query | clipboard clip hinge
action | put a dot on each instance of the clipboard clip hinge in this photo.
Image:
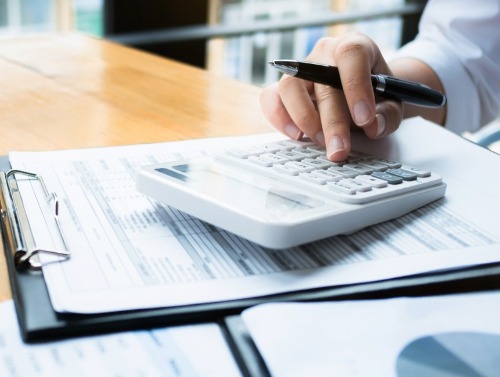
(16, 227)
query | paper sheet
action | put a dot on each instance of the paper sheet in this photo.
(176, 351)
(130, 252)
(405, 337)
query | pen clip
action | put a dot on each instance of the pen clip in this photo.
(15, 224)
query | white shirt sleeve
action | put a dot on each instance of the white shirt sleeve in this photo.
(460, 41)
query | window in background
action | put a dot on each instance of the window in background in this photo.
(3, 14)
(26, 16)
(89, 16)
(46, 16)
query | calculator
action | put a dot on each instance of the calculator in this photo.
(286, 193)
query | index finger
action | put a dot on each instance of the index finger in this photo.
(274, 110)
(356, 57)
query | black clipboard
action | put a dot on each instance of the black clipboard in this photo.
(39, 322)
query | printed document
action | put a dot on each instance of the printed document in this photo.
(131, 252)
(455, 335)
(183, 351)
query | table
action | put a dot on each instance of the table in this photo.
(68, 91)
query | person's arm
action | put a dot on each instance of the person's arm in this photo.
(460, 41)
(418, 71)
(457, 52)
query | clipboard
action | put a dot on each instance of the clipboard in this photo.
(16, 226)
(39, 322)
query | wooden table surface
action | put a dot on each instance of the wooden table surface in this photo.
(73, 91)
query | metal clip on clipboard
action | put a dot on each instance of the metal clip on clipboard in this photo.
(15, 224)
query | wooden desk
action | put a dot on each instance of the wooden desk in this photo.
(72, 91)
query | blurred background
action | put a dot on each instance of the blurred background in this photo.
(234, 38)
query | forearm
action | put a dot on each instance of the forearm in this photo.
(416, 70)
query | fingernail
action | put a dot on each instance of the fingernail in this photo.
(292, 131)
(320, 138)
(381, 124)
(362, 113)
(335, 145)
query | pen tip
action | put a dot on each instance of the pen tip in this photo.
(272, 63)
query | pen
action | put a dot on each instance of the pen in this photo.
(386, 86)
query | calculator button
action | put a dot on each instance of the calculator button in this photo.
(314, 177)
(371, 180)
(296, 143)
(359, 168)
(391, 179)
(358, 185)
(329, 175)
(271, 148)
(308, 152)
(261, 160)
(290, 155)
(268, 158)
(277, 159)
(294, 168)
(356, 155)
(317, 148)
(421, 173)
(342, 187)
(345, 172)
(405, 174)
(375, 166)
(390, 164)
(286, 169)
(244, 152)
(332, 163)
(300, 166)
(316, 163)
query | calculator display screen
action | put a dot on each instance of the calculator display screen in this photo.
(243, 190)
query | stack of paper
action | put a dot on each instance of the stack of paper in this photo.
(185, 351)
(141, 254)
(446, 336)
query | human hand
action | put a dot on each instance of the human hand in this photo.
(297, 107)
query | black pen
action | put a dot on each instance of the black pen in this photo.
(386, 86)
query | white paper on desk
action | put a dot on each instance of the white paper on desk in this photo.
(129, 252)
(374, 338)
(194, 350)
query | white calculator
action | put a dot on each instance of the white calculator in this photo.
(286, 193)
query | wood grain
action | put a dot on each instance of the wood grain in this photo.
(73, 91)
